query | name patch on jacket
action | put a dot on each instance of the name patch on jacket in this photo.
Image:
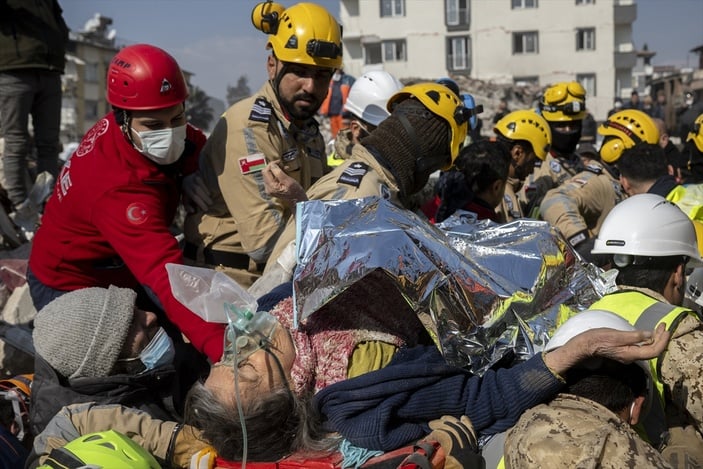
(260, 111)
(252, 163)
(354, 174)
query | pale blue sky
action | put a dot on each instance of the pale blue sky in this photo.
(215, 38)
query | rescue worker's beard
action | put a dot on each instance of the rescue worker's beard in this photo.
(564, 143)
(412, 143)
(300, 114)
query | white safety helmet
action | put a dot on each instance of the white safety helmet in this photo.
(584, 321)
(694, 286)
(644, 226)
(593, 319)
(369, 94)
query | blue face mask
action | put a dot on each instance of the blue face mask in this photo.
(158, 352)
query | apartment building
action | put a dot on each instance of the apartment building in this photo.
(507, 41)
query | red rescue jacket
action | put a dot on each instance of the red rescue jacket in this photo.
(108, 221)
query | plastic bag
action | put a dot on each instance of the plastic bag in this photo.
(205, 292)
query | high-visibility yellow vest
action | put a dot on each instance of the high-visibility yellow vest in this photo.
(645, 313)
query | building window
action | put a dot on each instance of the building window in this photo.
(519, 4)
(588, 81)
(459, 53)
(586, 39)
(386, 51)
(91, 73)
(457, 12)
(526, 42)
(91, 110)
(394, 51)
(585, 2)
(391, 8)
(372, 53)
(526, 80)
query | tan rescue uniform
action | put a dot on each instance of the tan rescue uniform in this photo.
(582, 202)
(510, 208)
(572, 431)
(243, 219)
(548, 174)
(340, 184)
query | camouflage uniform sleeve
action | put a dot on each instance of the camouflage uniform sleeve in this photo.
(681, 372)
(576, 206)
(575, 432)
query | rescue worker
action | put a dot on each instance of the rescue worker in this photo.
(651, 242)
(563, 106)
(238, 229)
(427, 125)
(333, 105)
(693, 153)
(579, 206)
(108, 220)
(367, 106)
(644, 169)
(527, 136)
(589, 423)
(475, 184)
(15, 436)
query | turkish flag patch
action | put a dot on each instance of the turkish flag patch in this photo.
(252, 163)
(137, 213)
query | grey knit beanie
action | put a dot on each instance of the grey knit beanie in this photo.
(81, 333)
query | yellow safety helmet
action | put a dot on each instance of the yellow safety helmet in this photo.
(696, 133)
(627, 128)
(526, 125)
(305, 33)
(443, 102)
(565, 101)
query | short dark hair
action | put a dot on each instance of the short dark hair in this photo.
(612, 384)
(652, 274)
(642, 163)
(477, 167)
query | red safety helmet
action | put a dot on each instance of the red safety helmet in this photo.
(144, 77)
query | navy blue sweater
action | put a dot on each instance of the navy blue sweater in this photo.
(391, 407)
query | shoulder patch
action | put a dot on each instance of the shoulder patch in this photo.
(252, 163)
(137, 213)
(555, 166)
(88, 142)
(353, 174)
(593, 168)
(261, 110)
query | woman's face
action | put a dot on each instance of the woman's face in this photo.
(258, 374)
(157, 119)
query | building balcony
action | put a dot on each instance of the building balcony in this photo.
(625, 56)
(625, 12)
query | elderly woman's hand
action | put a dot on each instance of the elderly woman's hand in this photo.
(278, 184)
(623, 346)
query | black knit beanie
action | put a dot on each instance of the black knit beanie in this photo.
(412, 143)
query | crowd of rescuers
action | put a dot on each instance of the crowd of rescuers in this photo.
(117, 352)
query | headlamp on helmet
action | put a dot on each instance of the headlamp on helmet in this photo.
(305, 33)
(564, 101)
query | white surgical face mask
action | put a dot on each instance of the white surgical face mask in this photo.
(163, 146)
